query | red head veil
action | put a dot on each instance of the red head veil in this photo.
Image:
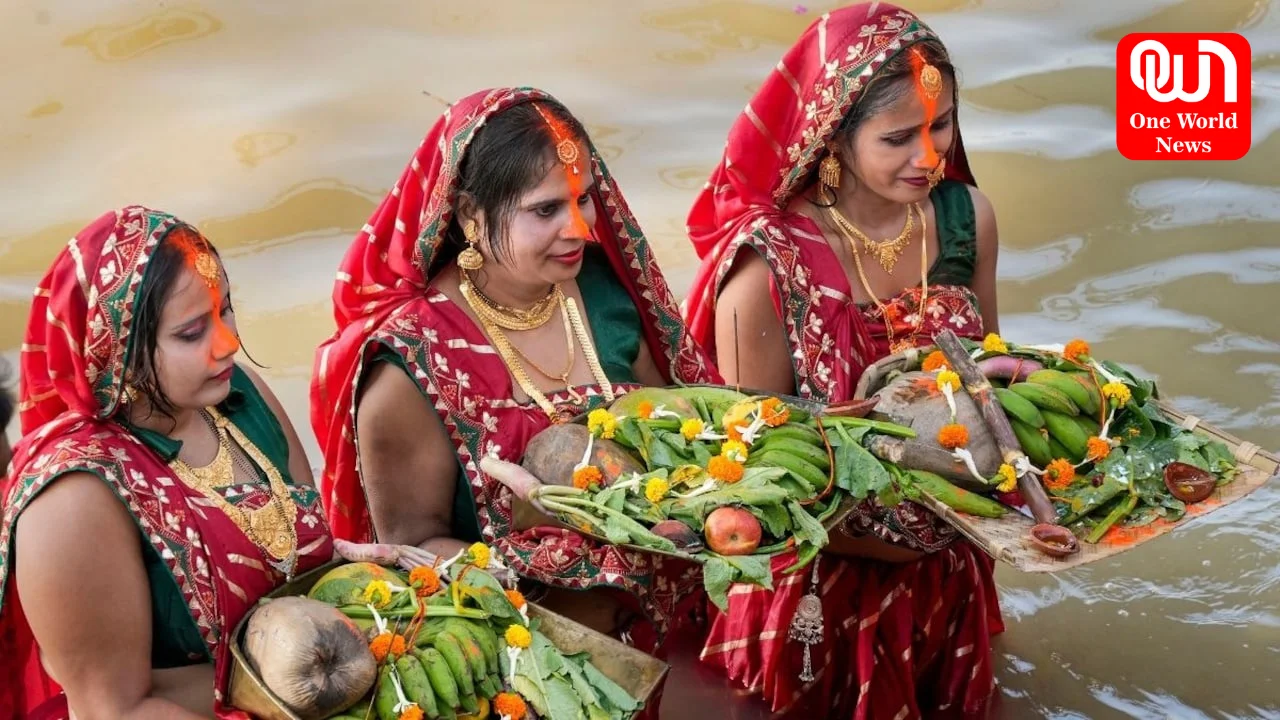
(779, 138)
(393, 258)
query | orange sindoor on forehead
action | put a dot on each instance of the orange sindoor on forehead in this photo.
(199, 258)
(928, 85)
(567, 153)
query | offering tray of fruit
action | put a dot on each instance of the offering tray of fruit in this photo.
(711, 475)
(357, 640)
(1087, 456)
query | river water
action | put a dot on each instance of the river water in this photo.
(276, 127)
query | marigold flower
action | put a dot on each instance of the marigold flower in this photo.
(734, 431)
(691, 428)
(953, 435)
(413, 712)
(994, 343)
(602, 423)
(509, 705)
(479, 553)
(425, 579)
(1075, 350)
(723, 469)
(518, 636)
(1117, 392)
(377, 593)
(656, 489)
(685, 475)
(1009, 481)
(586, 476)
(1099, 449)
(774, 412)
(735, 450)
(948, 377)
(644, 409)
(1059, 474)
(387, 644)
(516, 598)
(934, 361)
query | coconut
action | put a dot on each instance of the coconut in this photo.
(314, 658)
(554, 452)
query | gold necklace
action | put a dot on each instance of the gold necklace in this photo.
(887, 251)
(899, 346)
(271, 527)
(562, 376)
(511, 357)
(510, 318)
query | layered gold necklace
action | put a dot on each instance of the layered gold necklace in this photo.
(495, 317)
(852, 235)
(270, 527)
(887, 251)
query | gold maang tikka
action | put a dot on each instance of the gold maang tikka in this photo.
(566, 148)
(207, 266)
(931, 81)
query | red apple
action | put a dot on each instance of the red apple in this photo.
(732, 531)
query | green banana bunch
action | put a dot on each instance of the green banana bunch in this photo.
(1019, 408)
(439, 677)
(418, 688)
(1034, 444)
(1045, 397)
(450, 648)
(1064, 430)
(1070, 385)
(799, 450)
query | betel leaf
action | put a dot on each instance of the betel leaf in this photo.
(627, 434)
(562, 701)
(578, 678)
(610, 690)
(774, 518)
(752, 568)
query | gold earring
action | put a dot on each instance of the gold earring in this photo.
(130, 394)
(829, 171)
(934, 176)
(470, 259)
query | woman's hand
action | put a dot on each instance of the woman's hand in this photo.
(407, 557)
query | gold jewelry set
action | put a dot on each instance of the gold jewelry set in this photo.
(270, 527)
(495, 318)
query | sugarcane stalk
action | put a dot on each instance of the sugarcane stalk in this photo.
(979, 388)
(1118, 513)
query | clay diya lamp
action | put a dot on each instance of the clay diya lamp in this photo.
(1054, 540)
(1189, 483)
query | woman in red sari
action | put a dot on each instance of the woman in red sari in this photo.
(459, 338)
(851, 139)
(158, 490)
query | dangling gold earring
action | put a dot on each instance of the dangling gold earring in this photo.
(130, 392)
(829, 171)
(470, 259)
(934, 176)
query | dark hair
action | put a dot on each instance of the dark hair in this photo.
(888, 85)
(6, 399)
(508, 156)
(163, 270)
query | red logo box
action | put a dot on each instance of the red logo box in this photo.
(1183, 96)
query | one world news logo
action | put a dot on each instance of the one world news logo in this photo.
(1183, 96)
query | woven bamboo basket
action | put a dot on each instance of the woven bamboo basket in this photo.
(1005, 538)
(637, 673)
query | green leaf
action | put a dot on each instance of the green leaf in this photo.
(628, 434)
(616, 531)
(805, 556)
(488, 594)
(751, 568)
(562, 702)
(532, 691)
(717, 576)
(662, 455)
(701, 455)
(806, 529)
(573, 668)
(611, 498)
(610, 690)
(858, 472)
(774, 518)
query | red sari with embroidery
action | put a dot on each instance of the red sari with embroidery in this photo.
(901, 640)
(72, 370)
(383, 299)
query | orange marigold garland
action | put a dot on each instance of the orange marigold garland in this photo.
(516, 598)
(585, 477)
(385, 644)
(724, 469)
(413, 712)
(953, 435)
(1075, 350)
(1099, 449)
(774, 412)
(509, 705)
(425, 580)
(644, 410)
(934, 361)
(1059, 474)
